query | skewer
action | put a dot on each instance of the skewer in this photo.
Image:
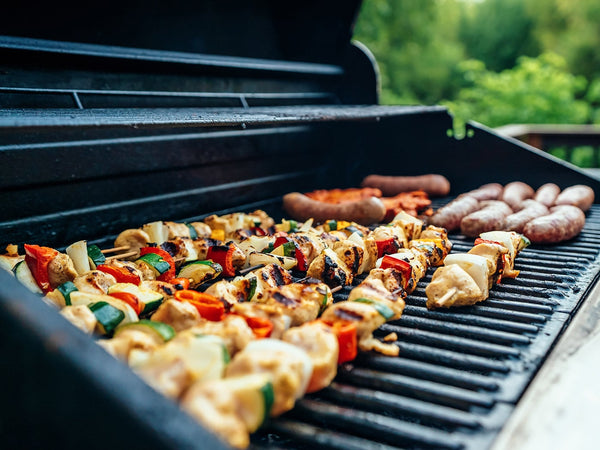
(336, 289)
(115, 249)
(123, 255)
(177, 260)
(447, 296)
(250, 269)
(397, 291)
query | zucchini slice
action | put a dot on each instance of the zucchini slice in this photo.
(108, 316)
(95, 256)
(65, 289)
(85, 298)
(199, 272)
(384, 310)
(24, 275)
(150, 300)
(155, 262)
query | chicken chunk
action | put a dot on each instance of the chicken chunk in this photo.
(321, 345)
(330, 269)
(135, 239)
(452, 286)
(61, 270)
(301, 302)
(231, 292)
(374, 289)
(94, 282)
(273, 313)
(310, 245)
(234, 331)
(350, 253)
(494, 254)
(180, 315)
(81, 316)
(129, 339)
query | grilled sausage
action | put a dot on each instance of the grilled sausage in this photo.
(546, 194)
(364, 212)
(449, 216)
(579, 195)
(490, 217)
(515, 192)
(433, 184)
(531, 210)
(564, 222)
(490, 191)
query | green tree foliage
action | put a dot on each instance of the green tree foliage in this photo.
(416, 46)
(497, 32)
(536, 90)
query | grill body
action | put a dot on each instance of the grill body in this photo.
(110, 133)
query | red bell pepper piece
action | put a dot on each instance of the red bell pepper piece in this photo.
(209, 307)
(258, 231)
(402, 266)
(261, 327)
(386, 247)
(130, 299)
(345, 331)
(223, 254)
(121, 274)
(300, 258)
(169, 274)
(180, 283)
(37, 259)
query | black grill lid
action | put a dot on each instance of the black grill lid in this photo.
(310, 30)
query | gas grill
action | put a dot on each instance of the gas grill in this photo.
(102, 129)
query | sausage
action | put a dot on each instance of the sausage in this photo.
(579, 195)
(449, 216)
(515, 192)
(365, 212)
(490, 191)
(564, 222)
(546, 194)
(531, 210)
(489, 218)
(433, 184)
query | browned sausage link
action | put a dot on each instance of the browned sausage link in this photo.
(433, 184)
(579, 195)
(489, 218)
(364, 212)
(564, 222)
(546, 194)
(515, 192)
(490, 191)
(449, 216)
(531, 210)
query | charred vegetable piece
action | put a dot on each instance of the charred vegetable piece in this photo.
(199, 272)
(162, 330)
(384, 310)
(65, 289)
(107, 315)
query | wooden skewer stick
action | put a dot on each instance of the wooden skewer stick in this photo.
(337, 288)
(397, 291)
(447, 296)
(116, 249)
(250, 269)
(176, 260)
(123, 255)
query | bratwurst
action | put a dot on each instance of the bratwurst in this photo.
(435, 185)
(564, 222)
(579, 195)
(450, 216)
(546, 194)
(490, 191)
(365, 212)
(490, 217)
(515, 192)
(531, 210)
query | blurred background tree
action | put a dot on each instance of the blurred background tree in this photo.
(494, 61)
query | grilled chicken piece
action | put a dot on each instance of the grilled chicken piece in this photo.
(494, 254)
(418, 263)
(321, 345)
(433, 249)
(383, 233)
(370, 257)
(367, 320)
(180, 315)
(180, 248)
(202, 230)
(143, 271)
(81, 316)
(330, 269)
(166, 289)
(452, 286)
(351, 254)
(234, 331)
(61, 270)
(274, 313)
(310, 245)
(269, 276)
(94, 282)
(219, 410)
(135, 239)
(235, 221)
(201, 246)
(433, 232)
(411, 226)
(176, 230)
(290, 369)
(301, 302)
(392, 279)
(130, 339)
(231, 292)
(375, 290)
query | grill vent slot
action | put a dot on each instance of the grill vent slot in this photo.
(460, 372)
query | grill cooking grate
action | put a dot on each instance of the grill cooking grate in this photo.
(460, 372)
